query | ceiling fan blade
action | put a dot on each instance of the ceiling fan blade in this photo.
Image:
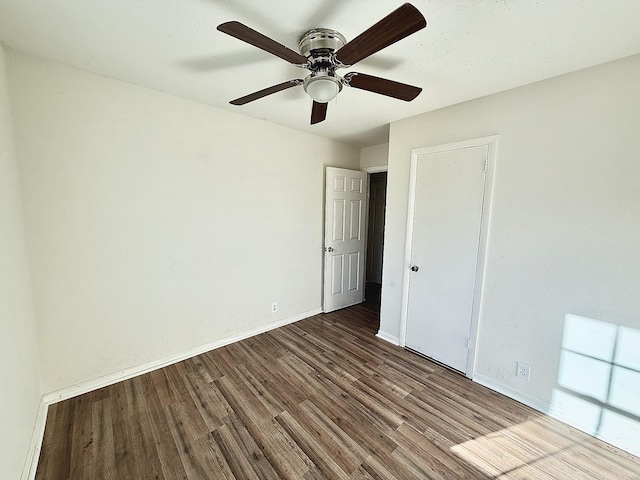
(318, 112)
(399, 24)
(257, 39)
(266, 91)
(382, 86)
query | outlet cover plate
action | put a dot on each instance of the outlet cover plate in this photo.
(524, 371)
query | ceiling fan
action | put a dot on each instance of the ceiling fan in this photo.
(323, 51)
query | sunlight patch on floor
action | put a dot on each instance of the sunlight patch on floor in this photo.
(528, 448)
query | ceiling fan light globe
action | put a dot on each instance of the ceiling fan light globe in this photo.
(322, 89)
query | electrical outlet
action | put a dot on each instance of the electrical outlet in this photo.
(274, 307)
(524, 371)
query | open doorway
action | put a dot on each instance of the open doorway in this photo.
(375, 238)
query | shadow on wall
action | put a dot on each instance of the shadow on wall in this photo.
(599, 381)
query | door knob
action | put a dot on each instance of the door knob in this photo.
(328, 249)
(415, 268)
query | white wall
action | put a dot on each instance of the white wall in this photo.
(375, 158)
(157, 224)
(20, 391)
(565, 225)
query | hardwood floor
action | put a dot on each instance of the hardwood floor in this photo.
(319, 399)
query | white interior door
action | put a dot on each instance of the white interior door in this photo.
(446, 230)
(344, 238)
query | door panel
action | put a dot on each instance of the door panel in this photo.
(338, 220)
(354, 271)
(337, 274)
(344, 238)
(446, 225)
(355, 227)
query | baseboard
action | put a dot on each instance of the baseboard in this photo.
(388, 338)
(110, 379)
(627, 444)
(33, 454)
(521, 397)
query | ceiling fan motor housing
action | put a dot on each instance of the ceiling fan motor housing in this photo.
(319, 46)
(320, 42)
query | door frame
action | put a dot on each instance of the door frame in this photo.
(492, 143)
(370, 170)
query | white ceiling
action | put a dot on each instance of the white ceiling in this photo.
(470, 48)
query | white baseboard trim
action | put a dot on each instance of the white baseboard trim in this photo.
(388, 338)
(528, 400)
(33, 455)
(627, 444)
(127, 373)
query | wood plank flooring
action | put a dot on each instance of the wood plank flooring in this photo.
(319, 399)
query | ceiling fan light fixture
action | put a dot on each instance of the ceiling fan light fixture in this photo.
(322, 88)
